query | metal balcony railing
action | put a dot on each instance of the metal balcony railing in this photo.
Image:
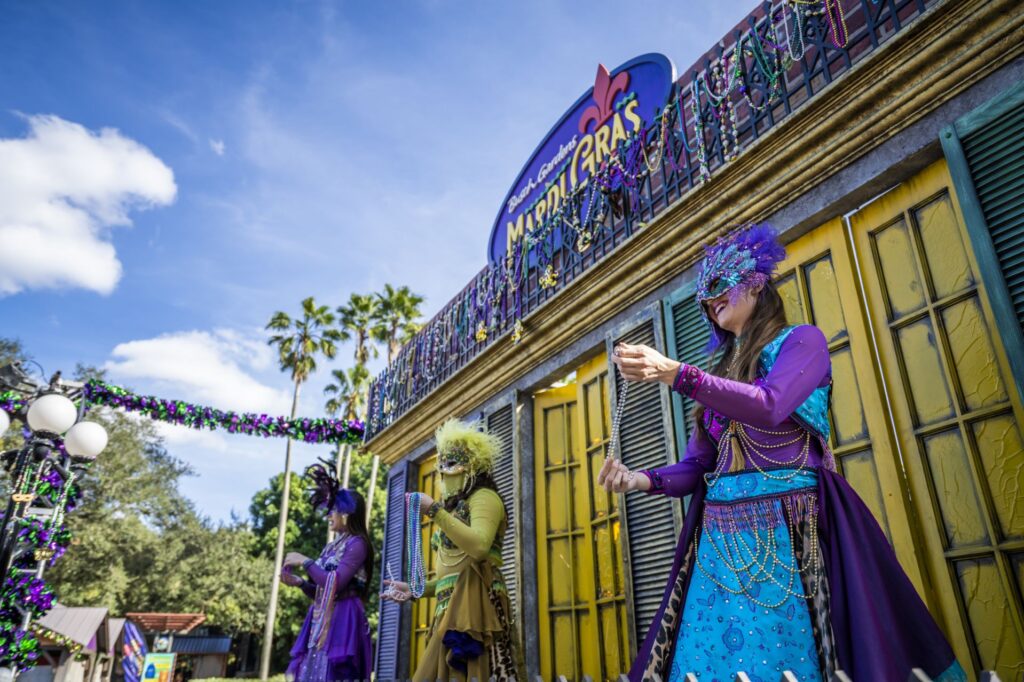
(783, 55)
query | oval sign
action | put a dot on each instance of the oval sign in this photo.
(620, 103)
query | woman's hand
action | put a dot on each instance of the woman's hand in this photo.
(289, 578)
(615, 477)
(396, 591)
(425, 502)
(643, 363)
(294, 559)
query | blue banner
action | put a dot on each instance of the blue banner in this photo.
(622, 103)
(133, 652)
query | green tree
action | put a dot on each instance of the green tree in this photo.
(11, 351)
(348, 398)
(361, 318)
(139, 545)
(299, 343)
(398, 315)
(398, 320)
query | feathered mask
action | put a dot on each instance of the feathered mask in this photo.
(462, 446)
(326, 491)
(743, 259)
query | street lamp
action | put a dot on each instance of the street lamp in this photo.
(56, 442)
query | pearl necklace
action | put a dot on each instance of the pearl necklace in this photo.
(414, 542)
(766, 548)
(617, 420)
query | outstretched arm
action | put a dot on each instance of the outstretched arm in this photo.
(351, 561)
(802, 365)
(675, 480)
(486, 512)
(683, 477)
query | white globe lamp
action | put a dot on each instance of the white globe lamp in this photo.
(85, 440)
(5, 422)
(52, 413)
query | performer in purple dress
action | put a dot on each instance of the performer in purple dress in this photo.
(334, 643)
(780, 565)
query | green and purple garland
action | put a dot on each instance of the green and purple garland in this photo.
(320, 430)
(307, 430)
(22, 592)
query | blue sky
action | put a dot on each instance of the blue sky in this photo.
(171, 173)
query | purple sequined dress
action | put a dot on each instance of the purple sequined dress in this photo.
(788, 524)
(334, 643)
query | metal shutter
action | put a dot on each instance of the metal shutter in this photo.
(687, 335)
(389, 628)
(643, 444)
(995, 154)
(500, 424)
(985, 153)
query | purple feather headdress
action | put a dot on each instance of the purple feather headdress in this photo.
(741, 260)
(326, 491)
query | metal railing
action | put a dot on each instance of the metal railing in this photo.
(916, 675)
(784, 54)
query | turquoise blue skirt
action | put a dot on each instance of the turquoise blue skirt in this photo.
(746, 607)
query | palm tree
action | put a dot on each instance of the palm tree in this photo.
(360, 318)
(397, 321)
(398, 317)
(298, 343)
(348, 398)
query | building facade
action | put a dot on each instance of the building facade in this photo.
(892, 163)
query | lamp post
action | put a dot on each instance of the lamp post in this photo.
(57, 441)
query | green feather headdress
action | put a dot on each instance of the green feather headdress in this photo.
(460, 442)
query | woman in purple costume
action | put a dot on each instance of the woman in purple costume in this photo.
(334, 643)
(780, 566)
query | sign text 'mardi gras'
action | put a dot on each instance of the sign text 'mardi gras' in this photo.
(621, 103)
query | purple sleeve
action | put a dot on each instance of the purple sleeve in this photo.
(803, 364)
(681, 479)
(308, 588)
(351, 561)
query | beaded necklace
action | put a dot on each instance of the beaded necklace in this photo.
(757, 570)
(415, 569)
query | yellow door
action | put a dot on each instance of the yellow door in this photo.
(423, 609)
(955, 413)
(580, 584)
(818, 287)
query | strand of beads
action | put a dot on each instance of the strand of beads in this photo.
(415, 569)
(698, 133)
(757, 569)
(617, 420)
(837, 23)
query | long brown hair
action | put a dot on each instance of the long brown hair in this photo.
(765, 323)
(356, 525)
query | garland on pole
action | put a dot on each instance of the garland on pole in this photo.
(22, 593)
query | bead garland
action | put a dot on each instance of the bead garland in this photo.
(416, 571)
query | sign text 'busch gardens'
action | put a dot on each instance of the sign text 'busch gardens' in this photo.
(620, 104)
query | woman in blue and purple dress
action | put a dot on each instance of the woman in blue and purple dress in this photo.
(334, 643)
(780, 565)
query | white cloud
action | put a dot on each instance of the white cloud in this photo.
(61, 188)
(217, 146)
(211, 368)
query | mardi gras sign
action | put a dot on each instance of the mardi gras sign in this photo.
(622, 103)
